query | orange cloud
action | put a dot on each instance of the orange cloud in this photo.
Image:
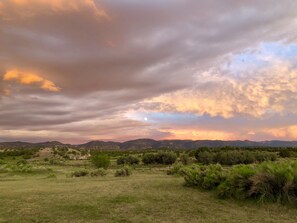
(30, 8)
(30, 79)
(196, 134)
(271, 90)
(288, 132)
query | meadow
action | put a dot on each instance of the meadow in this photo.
(43, 189)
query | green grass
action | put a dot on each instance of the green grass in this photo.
(149, 195)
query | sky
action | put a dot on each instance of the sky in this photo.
(83, 70)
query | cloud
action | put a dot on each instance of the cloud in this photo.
(110, 56)
(30, 79)
(28, 9)
(216, 93)
(196, 134)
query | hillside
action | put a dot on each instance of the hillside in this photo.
(141, 144)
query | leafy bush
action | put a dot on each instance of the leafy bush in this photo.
(174, 170)
(166, 158)
(149, 158)
(237, 183)
(98, 172)
(265, 182)
(285, 153)
(123, 172)
(80, 173)
(184, 158)
(275, 182)
(100, 161)
(129, 160)
(206, 177)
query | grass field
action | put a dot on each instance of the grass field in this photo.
(149, 195)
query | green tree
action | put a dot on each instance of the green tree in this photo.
(100, 161)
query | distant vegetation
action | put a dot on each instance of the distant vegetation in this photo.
(100, 161)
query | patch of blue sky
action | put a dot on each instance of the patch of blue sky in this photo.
(162, 117)
(252, 60)
(279, 50)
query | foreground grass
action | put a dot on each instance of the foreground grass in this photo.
(146, 196)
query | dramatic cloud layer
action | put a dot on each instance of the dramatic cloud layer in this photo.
(121, 69)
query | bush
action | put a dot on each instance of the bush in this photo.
(123, 172)
(205, 177)
(99, 172)
(129, 160)
(80, 173)
(22, 162)
(185, 159)
(149, 158)
(174, 170)
(275, 182)
(285, 153)
(268, 181)
(100, 161)
(166, 158)
(237, 183)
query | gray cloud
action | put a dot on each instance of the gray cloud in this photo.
(108, 55)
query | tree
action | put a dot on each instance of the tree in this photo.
(100, 161)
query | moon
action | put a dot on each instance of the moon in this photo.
(145, 118)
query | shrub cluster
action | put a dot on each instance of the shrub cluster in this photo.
(25, 153)
(127, 160)
(166, 158)
(123, 172)
(230, 157)
(80, 173)
(92, 173)
(23, 167)
(268, 181)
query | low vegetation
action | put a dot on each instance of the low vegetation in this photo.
(166, 158)
(123, 172)
(128, 160)
(264, 182)
(100, 161)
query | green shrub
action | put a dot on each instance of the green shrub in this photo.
(22, 162)
(174, 170)
(100, 161)
(275, 182)
(237, 183)
(129, 160)
(80, 173)
(184, 158)
(268, 181)
(285, 153)
(166, 158)
(205, 177)
(98, 172)
(123, 172)
(149, 158)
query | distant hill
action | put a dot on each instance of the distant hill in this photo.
(141, 144)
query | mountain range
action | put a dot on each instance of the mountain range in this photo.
(141, 144)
